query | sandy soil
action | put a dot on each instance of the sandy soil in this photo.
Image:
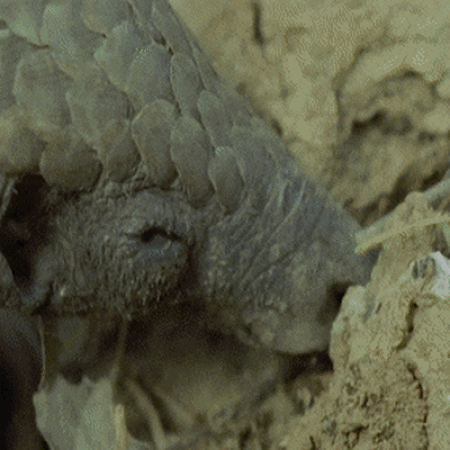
(389, 347)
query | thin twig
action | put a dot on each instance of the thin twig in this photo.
(380, 231)
(147, 408)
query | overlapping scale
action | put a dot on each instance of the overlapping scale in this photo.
(169, 26)
(254, 162)
(186, 83)
(93, 106)
(207, 73)
(151, 132)
(20, 148)
(142, 17)
(191, 150)
(149, 76)
(39, 88)
(117, 151)
(72, 43)
(215, 118)
(70, 164)
(224, 174)
(11, 49)
(24, 18)
(118, 51)
(101, 17)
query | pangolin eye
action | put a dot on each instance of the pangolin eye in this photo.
(163, 254)
(156, 235)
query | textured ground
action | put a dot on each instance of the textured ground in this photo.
(389, 347)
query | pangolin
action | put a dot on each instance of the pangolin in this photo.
(134, 179)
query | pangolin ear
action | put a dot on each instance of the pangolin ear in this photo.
(23, 229)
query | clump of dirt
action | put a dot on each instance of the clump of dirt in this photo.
(390, 388)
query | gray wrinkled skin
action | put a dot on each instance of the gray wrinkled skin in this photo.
(141, 181)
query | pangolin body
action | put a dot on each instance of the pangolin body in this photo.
(138, 180)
